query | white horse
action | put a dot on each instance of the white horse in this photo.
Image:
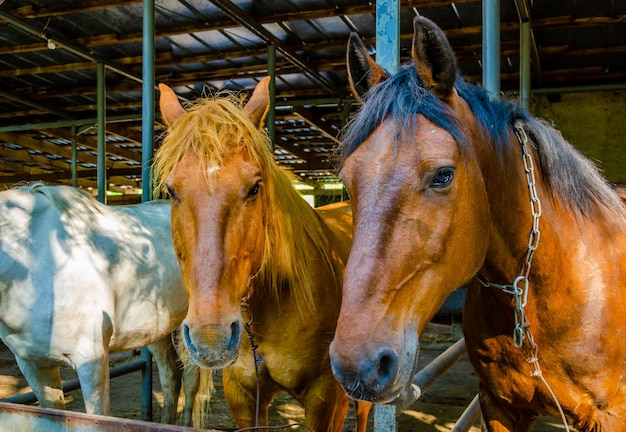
(78, 280)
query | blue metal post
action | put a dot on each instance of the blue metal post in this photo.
(491, 46)
(147, 124)
(147, 143)
(388, 57)
(101, 104)
(388, 34)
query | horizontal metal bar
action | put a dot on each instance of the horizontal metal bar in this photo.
(440, 365)
(68, 123)
(137, 116)
(74, 384)
(35, 105)
(25, 418)
(70, 46)
(469, 416)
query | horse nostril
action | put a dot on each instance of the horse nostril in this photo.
(187, 338)
(387, 367)
(235, 335)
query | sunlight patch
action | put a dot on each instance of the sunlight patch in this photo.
(423, 417)
(213, 169)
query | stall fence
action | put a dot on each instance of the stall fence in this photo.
(29, 418)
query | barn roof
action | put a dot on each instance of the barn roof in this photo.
(49, 52)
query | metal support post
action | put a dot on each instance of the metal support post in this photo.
(388, 57)
(388, 34)
(491, 46)
(147, 146)
(271, 115)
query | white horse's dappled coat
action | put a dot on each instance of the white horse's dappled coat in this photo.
(78, 280)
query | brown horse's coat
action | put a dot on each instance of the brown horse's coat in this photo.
(243, 235)
(440, 197)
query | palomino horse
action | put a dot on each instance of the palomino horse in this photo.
(447, 186)
(245, 239)
(79, 280)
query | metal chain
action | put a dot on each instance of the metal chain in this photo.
(519, 287)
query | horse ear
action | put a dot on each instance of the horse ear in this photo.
(433, 57)
(363, 72)
(170, 108)
(259, 103)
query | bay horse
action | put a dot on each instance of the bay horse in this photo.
(80, 280)
(449, 185)
(255, 258)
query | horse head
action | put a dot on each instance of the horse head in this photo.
(216, 184)
(420, 212)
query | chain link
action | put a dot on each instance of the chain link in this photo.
(519, 287)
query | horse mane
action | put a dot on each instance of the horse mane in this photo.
(571, 178)
(215, 128)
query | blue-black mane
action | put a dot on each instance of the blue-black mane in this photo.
(571, 178)
(402, 95)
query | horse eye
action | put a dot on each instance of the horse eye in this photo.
(170, 192)
(443, 178)
(254, 191)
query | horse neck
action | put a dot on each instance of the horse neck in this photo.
(567, 241)
(511, 212)
(507, 208)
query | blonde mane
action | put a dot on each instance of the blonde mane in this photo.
(215, 128)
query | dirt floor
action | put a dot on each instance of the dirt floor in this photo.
(437, 410)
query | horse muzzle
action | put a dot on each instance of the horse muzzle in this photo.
(380, 377)
(212, 346)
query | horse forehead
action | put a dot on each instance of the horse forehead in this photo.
(213, 169)
(191, 164)
(370, 155)
(392, 147)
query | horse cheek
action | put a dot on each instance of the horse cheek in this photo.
(180, 248)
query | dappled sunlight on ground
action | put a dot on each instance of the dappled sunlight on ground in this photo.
(292, 412)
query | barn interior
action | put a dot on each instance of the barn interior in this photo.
(73, 68)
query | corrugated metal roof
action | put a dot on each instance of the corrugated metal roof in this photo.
(49, 50)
